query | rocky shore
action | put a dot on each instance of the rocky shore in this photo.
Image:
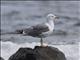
(38, 53)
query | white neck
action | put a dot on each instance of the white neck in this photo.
(50, 23)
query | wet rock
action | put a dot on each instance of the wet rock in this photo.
(38, 53)
(1, 58)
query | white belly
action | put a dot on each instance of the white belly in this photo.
(51, 26)
(48, 33)
(45, 34)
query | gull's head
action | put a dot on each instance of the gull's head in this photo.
(52, 17)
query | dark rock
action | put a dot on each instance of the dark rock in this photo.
(1, 58)
(38, 53)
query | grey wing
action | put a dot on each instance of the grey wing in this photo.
(41, 28)
(33, 30)
(36, 30)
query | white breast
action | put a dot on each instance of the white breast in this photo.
(50, 30)
(51, 26)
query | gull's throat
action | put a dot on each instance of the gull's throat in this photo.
(50, 24)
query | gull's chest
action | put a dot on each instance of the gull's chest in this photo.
(50, 26)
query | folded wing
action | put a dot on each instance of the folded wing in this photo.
(35, 30)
